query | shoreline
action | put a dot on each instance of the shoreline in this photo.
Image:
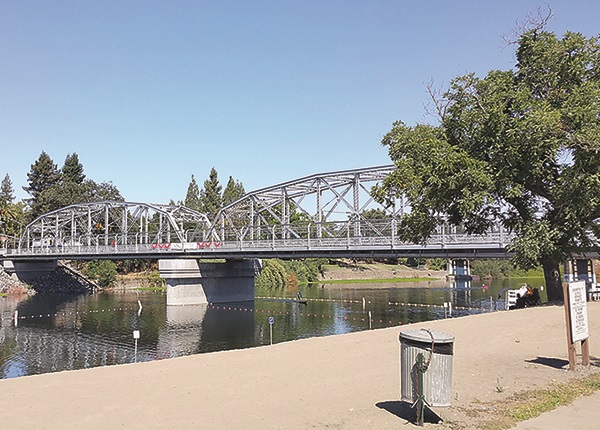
(348, 381)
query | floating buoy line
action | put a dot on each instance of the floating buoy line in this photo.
(15, 317)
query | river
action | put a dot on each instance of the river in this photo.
(55, 333)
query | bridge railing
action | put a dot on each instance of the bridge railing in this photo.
(274, 243)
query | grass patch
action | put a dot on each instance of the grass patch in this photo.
(533, 404)
(152, 289)
(375, 281)
(530, 404)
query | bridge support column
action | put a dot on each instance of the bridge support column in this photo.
(190, 282)
(580, 269)
(459, 268)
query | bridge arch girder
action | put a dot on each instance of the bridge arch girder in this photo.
(325, 204)
(114, 222)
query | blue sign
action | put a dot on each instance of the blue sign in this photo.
(271, 320)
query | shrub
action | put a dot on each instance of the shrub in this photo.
(103, 272)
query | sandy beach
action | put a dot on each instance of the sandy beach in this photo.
(345, 382)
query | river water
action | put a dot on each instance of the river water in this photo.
(55, 333)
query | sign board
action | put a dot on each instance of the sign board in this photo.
(578, 311)
(271, 320)
(136, 334)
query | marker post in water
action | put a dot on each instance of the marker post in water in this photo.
(136, 336)
(271, 322)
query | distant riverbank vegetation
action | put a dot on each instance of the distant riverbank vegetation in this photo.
(501, 269)
(279, 274)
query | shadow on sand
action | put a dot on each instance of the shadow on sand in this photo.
(404, 411)
(557, 363)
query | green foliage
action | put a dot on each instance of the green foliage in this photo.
(192, 197)
(6, 191)
(436, 263)
(272, 275)
(496, 269)
(500, 269)
(52, 189)
(210, 197)
(136, 265)
(519, 147)
(155, 281)
(277, 274)
(103, 272)
(9, 212)
(232, 192)
(44, 175)
(99, 192)
(73, 170)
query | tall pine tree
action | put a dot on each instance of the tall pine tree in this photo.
(6, 191)
(73, 170)
(233, 191)
(210, 198)
(192, 198)
(43, 176)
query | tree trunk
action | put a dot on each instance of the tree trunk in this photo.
(554, 287)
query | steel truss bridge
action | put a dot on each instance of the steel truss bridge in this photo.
(322, 215)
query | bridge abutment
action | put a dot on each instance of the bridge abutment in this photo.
(29, 271)
(190, 282)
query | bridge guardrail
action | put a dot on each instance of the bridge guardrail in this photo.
(205, 249)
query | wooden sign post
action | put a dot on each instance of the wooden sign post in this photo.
(577, 321)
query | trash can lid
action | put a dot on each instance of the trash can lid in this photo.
(422, 335)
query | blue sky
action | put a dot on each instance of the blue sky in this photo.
(148, 93)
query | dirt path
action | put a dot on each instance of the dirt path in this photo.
(345, 382)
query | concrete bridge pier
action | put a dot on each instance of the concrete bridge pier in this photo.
(190, 282)
(459, 268)
(580, 269)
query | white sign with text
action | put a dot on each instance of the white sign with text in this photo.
(578, 311)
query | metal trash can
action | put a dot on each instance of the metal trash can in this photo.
(438, 350)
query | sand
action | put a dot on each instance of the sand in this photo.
(344, 382)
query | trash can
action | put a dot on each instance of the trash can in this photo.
(438, 350)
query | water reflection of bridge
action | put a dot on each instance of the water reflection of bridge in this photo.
(78, 338)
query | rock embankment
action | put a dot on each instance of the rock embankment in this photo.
(10, 284)
(64, 280)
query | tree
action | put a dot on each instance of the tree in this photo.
(234, 190)
(210, 198)
(100, 192)
(192, 197)
(52, 189)
(103, 272)
(44, 174)
(73, 170)
(6, 190)
(518, 147)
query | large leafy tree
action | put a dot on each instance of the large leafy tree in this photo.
(519, 147)
(210, 197)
